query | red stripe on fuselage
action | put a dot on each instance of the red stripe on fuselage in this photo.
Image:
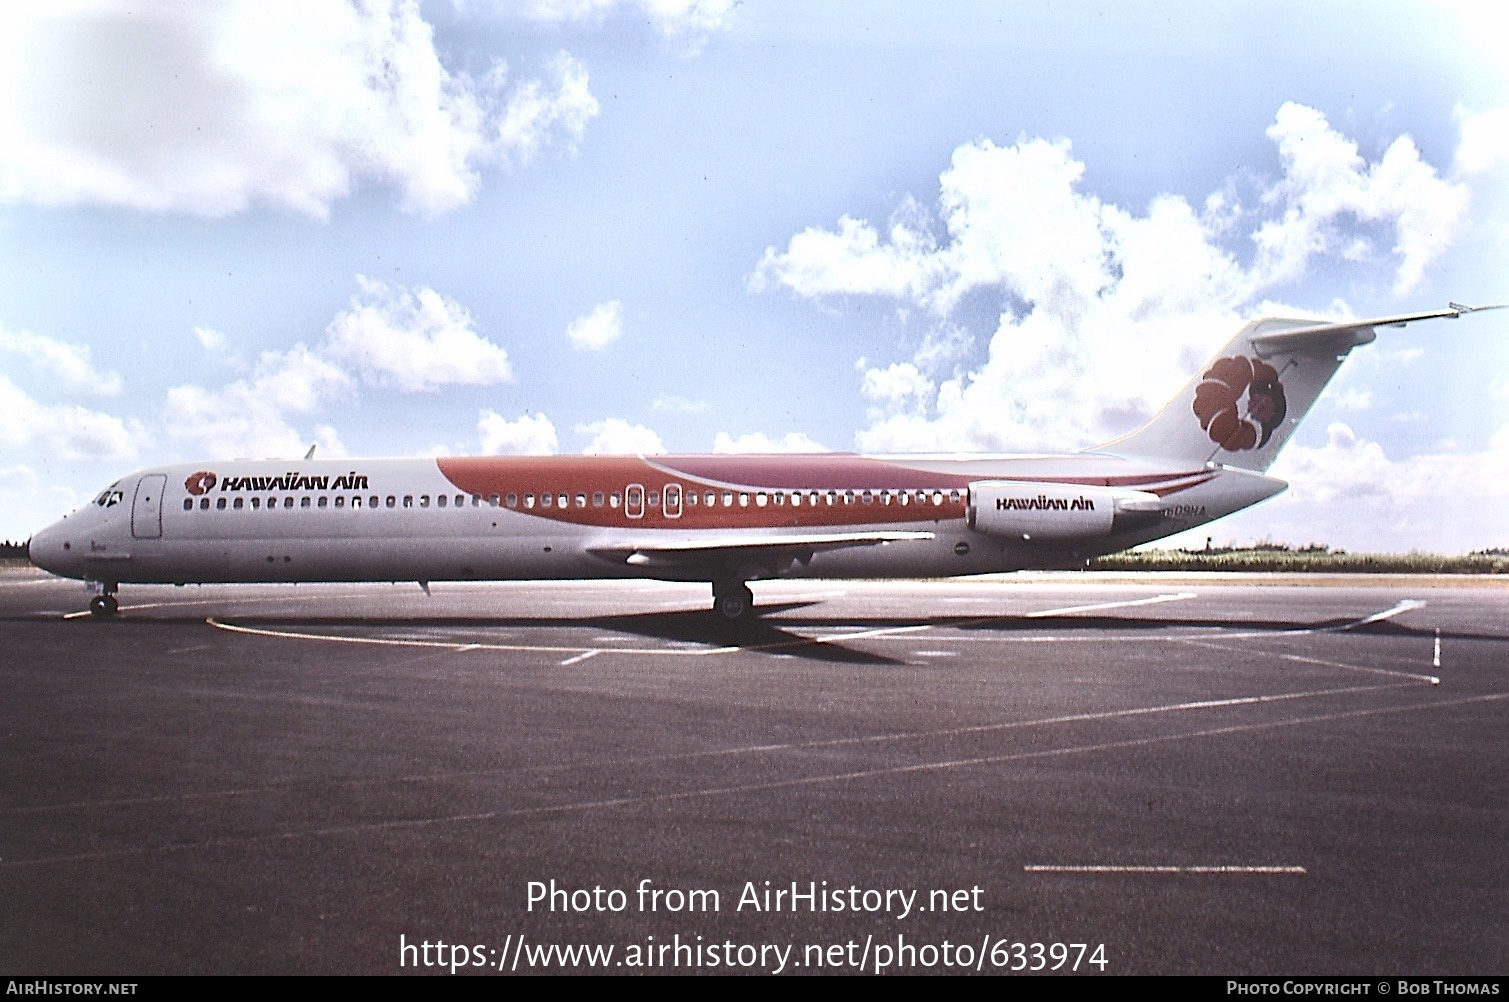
(838, 482)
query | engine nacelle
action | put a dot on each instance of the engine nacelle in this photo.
(1053, 512)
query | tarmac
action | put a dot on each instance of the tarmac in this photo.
(1243, 775)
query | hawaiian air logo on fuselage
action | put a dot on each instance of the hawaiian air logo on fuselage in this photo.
(198, 483)
(1219, 404)
(293, 480)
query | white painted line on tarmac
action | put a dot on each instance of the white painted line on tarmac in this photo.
(584, 655)
(741, 789)
(1435, 658)
(453, 646)
(1067, 610)
(1302, 659)
(1404, 605)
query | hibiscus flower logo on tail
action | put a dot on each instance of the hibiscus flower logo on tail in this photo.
(1219, 403)
(198, 483)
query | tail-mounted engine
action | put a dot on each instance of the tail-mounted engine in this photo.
(1056, 512)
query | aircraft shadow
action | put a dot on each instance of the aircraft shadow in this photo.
(774, 630)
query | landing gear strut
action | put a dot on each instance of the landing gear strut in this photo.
(733, 601)
(104, 605)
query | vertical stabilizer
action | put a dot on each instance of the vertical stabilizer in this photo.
(1247, 401)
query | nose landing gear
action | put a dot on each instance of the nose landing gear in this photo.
(104, 605)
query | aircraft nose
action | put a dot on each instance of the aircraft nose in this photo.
(53, 551)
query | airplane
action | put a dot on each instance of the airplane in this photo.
(724, 519)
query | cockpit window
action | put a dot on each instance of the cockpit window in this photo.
(109, 498)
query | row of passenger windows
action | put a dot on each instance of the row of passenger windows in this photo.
(635, 500)
(339, 501)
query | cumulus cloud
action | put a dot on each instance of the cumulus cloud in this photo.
(1485, 140)
(1104, 310)
(388, 338)
(249, 417)
(530, 435)
(1327, 182)
(687, 21)
(598, 329)
(1350, 493)
(615, 436)
(67, 431)
(759, 442)
(31, 501)
(209, 109)
(70, 364)
(211, 340)
(412, 340)
(536, 113)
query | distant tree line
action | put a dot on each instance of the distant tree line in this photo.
(12, 551)
(1315, 557)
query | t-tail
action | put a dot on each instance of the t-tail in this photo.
(1246, 402)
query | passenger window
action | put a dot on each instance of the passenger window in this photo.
(304, 502)
(408, 500)
(204, 504)
(761, 500)
(324, 502)
(493, 500)
(581, 500)
(424, 500)
(237, 504)
(288, 502)
(220, 504)
(597, 499)
(256, 503)
(392, 501)
(710, 499)
(796, 499)
(441, 499)
(188, 504)
(613, 500)
(528, 500)
(372, 501)
(340, 501)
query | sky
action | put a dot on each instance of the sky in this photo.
(238, 229)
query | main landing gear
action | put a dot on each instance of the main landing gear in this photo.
(104, 605)
(733, 601)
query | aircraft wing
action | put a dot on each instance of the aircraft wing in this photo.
(768, 552)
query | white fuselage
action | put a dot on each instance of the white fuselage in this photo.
(678, 518)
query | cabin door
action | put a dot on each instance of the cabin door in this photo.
(146, 507)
